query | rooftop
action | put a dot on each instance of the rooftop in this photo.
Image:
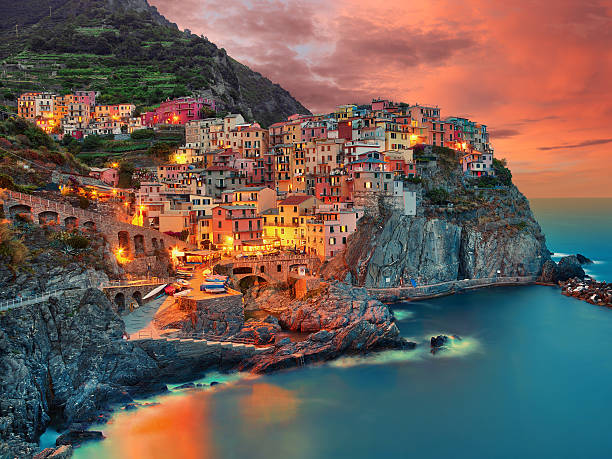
(294, 200)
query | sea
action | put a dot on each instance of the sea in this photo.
(527, 375)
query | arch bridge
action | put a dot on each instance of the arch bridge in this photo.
(272, 269)
(136, 241)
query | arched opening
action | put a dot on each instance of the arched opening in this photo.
(139, 245)
(120, 302)
(243, 270)
(154, 243)
(251, 281)
(48, 217)
(71, 223)
(19, 209)
(137, 296)
(161, 244)
(262, 269)
(89, 226)
(299, 269)
(124, 241)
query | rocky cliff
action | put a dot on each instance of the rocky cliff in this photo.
(63, 360)
(476, 234)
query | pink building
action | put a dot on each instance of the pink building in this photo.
(177, 111)
(85, 97)
(107, 175)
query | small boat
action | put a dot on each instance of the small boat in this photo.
(183, 292)
(214, 288)
(170, 289)
(154, 292)
(183, 282)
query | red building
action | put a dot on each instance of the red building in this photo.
(236, 226)
(177, 111)
(345, 129)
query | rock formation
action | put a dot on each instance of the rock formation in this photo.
(498, 236)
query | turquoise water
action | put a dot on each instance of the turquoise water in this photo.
(579, 226)
(531, 378)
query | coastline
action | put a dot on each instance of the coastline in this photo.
(396, 294)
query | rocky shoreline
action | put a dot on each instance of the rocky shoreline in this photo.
(589, 290)
(63, 361)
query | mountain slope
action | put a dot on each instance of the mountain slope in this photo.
(129, 52)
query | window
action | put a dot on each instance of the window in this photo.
(332, 241)
(279, 268)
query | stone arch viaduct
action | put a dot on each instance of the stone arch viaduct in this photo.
(271, 269)
(136, 241)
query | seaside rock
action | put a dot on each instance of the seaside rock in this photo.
(439, 341)
(61, 452)
(570, 267)
(78, 437)
(550, 272)
(583, 260)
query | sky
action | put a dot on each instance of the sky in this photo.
(538, 73)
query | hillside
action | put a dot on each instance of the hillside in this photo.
(130, 53)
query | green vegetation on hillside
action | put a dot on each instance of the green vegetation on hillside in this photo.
(128, 56)
(28, 156)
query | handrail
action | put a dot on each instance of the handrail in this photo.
(137, 283)
(24, 301)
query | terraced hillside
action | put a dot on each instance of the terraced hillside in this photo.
(126, 50)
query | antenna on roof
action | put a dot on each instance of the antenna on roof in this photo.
(17, 30)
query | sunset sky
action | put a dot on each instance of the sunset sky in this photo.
(538, 73)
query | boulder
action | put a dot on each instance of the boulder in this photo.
(78, 437)
(439, 341)
(583, 260)
(61, 452)
(550, 272)
(569, 267)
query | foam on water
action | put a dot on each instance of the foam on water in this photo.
(456, 348)
(403, 314)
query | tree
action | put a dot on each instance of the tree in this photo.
(503, 174)
(91, 142)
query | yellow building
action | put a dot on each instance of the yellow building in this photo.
(287, 223)
(344, 112)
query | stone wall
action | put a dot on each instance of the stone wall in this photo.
(137, 241)
(216, 315)
(394, 294)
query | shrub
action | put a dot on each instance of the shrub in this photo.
(12, 249)
(143, 134)
(438, 196)
(77, 242)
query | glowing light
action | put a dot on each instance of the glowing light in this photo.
(115, 165)
(121, 256)
(142, 208)
(115, 192)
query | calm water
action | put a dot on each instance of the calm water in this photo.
(531, 378)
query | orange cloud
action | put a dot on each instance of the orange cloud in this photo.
(537, 73)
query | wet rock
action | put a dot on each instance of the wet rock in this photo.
(214, 383)
(78, 437)
(439, 341)
(186, 386)
(583, 260)
(550, 272)
(570, 267)
(61, 452)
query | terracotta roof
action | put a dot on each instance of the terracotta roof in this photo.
(294, 200)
